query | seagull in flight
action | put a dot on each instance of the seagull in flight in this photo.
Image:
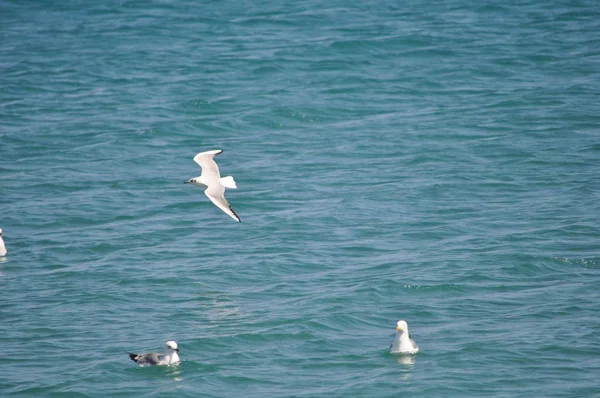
(210, 180)
(169, 357)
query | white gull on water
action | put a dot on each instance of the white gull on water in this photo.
(3, 250)
(169, 357)
(210, 180)
(402, 343)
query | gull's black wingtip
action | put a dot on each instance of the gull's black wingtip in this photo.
(237, 218)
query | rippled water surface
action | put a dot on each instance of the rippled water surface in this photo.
(436, 162)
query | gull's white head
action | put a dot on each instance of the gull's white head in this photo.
(172, 346)
(196, 182)
(402, 326)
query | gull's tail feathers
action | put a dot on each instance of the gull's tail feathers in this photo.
(228, 182)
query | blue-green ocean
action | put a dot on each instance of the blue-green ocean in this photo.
(432, 161)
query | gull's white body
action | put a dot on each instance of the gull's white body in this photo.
(3, 250)
(402, 343)
(169, 357)
(210, 180)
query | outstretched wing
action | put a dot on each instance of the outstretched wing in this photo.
(210, 170)
(216, 194)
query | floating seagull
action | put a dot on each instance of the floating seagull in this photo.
(170, 356)
(210, 180)
(3, 250)
(402, 343)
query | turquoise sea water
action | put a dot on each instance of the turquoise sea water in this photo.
(436, 162)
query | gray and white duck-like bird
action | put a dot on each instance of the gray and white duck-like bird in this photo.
(402, 343)
(210, 180)
(169, 357)
(3, 250)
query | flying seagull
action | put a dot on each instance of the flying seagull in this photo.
(402, 343)
(210, 180)
(169, 357)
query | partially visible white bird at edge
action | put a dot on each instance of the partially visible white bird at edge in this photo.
(3, 250)
(210, 180)
(169, 357)
(402, 343)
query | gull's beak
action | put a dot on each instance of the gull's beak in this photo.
(176, 349)
(398, 328)
(187, 182)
